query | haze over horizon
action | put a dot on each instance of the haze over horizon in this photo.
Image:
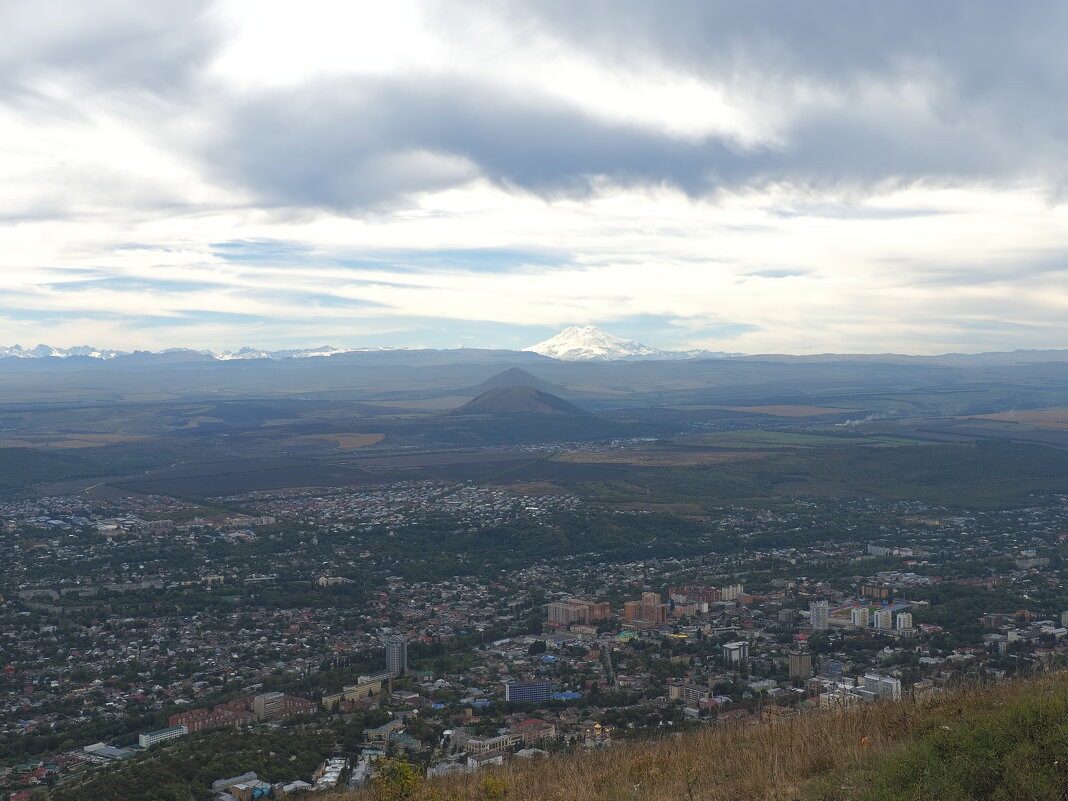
(759, 179)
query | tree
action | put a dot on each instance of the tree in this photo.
(398, 780)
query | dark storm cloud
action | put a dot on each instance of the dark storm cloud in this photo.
(993, 110)
(983, 45)
(350, 143)
(999, 72)
(860, 96)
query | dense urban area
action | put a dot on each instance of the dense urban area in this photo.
(462, 625)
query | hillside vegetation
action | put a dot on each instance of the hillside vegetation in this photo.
(995, 742)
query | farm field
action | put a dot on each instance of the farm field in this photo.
(1037, 418)
(660, 457)
(760, 439)
(988, 473)
(230, 478)
(787, 411)
(65, 441)
(343, 442)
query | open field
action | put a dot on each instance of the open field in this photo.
(231, 478)
(759, 439)
(947, 429)
(987, 474)
(787, 411)
(70, 441)
(661, 457)
(444, 403)
(345, 442)
(1037, 418)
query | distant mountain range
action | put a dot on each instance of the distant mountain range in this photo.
(47, 351)
(575, 343)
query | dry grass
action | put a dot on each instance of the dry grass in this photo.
(761, 762)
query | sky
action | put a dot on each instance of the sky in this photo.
(748, 177)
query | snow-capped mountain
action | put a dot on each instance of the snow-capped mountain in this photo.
(43, 351)
(590, 342)
(578, 343)
(302, 353)
(243, 353)
(47, 351)
(572, 344)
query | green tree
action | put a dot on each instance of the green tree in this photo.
(398, 780)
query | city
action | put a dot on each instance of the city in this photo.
(136, 623)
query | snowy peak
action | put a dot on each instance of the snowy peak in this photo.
(590, 342)
(303, 353)
(47, 351)
(573, 344)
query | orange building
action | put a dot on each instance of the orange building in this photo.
(649, 609)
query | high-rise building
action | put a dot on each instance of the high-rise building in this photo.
(831, 668)
(730, 592)
(879, 592)
(736, 653)
(276, 706)
(1064, 620)
(884, 619)
(532, 691)
(861, 617)
(396, 656)
(886, 687)
(563, 613)
(904, 621)
(268, 706)
(649, 609)
(800, 664)
(819, 615)
(694, 593)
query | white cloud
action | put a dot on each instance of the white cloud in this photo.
(814, 201)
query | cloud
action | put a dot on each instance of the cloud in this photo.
(775, 176)
(105, 46)
(833, 97)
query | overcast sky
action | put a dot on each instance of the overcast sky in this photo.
(758, 177)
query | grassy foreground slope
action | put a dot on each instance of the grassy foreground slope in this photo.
(1005, 741)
